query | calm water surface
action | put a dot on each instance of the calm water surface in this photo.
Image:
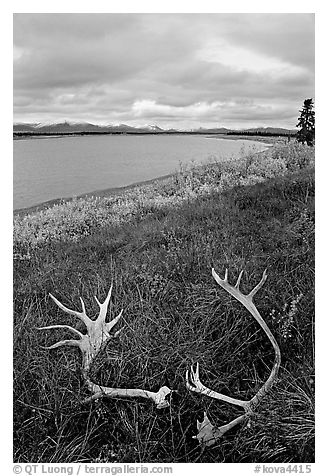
(45, 169)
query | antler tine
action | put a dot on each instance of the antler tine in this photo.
(81, 315)
(104, 306)
(71, 342)
(61, 326)
(259, 285)
(194, 384)
(239, 278)
(192, 379)
(113, 322)
(83, 306)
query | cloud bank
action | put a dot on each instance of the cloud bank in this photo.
(175, 70)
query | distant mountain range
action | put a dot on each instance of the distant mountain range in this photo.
(85, 127)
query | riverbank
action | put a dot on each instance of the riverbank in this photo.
(108, 192)
(112, 191)
(47, 170)
(268, 140)
(37, 136)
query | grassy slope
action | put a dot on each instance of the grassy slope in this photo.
(174, 314)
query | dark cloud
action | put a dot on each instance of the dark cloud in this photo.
(174, 69)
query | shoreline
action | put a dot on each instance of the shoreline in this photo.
(216, 135)
(106, 192)
(112, 191)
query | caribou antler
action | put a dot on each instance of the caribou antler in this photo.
(209, 434)
(90, 344)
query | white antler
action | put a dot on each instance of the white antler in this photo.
(208, 434)
(90, 344)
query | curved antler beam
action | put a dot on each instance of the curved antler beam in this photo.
(207, 433)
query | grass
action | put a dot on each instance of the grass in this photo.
(157, 244)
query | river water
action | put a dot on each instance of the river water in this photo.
(50, 168)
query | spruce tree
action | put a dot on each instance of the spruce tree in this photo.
(306, 123)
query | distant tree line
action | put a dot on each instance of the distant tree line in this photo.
(262, 133)
(89, 133)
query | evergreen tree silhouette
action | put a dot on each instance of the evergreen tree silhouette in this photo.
(306, 122)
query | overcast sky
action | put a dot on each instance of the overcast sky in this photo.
(173, 70)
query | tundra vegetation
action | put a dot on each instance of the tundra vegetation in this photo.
(157, 244)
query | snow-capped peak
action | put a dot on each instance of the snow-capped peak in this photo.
(150, 127)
